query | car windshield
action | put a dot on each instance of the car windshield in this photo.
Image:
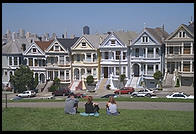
(186, 94)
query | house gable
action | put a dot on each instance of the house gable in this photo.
(34, 49)
(56, 47)
(145, 38)
(112, 41)
(181, 33)
(82, 44)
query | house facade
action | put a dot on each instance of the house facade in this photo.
(147, 56)
(179, 56)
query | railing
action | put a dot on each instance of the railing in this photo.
(138, 82)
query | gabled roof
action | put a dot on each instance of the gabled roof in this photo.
(15, 46)
(67, 43)
(126, 36)
(158, 33)
(190, 27)
(94, 39)
(44, 44)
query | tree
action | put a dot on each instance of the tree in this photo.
(56, 85)
(158, 77)
(122, 78)
(89, 79)
(36, 81)
(22, 79)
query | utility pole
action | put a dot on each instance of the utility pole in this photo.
(119, 72)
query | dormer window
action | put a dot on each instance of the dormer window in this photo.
(144, 39)
(113, 42)
(83, 44)
(182, 34)
(34, 50)
(56, 48)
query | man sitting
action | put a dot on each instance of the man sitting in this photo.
(71, 104)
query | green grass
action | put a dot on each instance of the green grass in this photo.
(50, 119)
(143, 99)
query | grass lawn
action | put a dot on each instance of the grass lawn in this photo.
(143, 99)
(50, 119)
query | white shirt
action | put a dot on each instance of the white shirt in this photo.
(112, 108)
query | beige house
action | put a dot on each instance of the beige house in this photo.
(179, 55)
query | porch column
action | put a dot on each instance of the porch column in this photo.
(33, 62)
(154, 52)
(53, 74)
(191, 65)
(191, 47)
(181, 66)
(59, 74)
(146, 69)
(79, 73)
(114, 55)
(17, 60)
(146, 52)
(182, 48)
(64, 74)
(154, 68)
(92, 57)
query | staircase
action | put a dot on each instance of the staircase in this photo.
(102, 85)
(74, 85)
(169, 81)
(49, 84)
(134, 82)
(40, 87)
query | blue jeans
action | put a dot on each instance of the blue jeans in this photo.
(109, 113)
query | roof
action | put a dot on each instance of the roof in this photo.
(126, 36)
(44, 44)
(94, 39)
(15, 46)
(190, 27)
(158, 33)
(67, 42)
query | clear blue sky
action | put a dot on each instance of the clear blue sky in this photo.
(100, 17)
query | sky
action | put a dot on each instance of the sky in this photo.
(59, 18)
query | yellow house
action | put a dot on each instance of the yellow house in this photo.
(85, 58)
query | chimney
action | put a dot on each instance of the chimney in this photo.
(73, 36)
(65, 35)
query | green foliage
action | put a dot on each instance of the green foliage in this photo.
(53, 88)
(54, 119)
(55, 85)
(158, 77)
(177, 83)
(22, 79)
(122, 78)
(89, 79)
(108, 87)
(36, 81)
(56, 82)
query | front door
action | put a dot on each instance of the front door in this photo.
(136, 70)
(105, 72)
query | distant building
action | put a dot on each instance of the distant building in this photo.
(86, 30)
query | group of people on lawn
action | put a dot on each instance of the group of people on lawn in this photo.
(92, 109)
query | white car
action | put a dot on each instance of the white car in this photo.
(27, 94)
(180, 95)
(143, 93)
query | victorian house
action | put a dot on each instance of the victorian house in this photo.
(114, 61)
(85, 58)
(147, 56)
(179, 56)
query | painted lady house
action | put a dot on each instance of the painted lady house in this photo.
(147, 56)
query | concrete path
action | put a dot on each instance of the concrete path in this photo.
(174, 106)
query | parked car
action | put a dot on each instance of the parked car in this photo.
(108, 95)
(29, 93)
(180, 95)
(143, 93)
(80, 95)
(125, 90)
(62, 92)
(16, 98)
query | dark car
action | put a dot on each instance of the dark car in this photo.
(125, 90)
(62, 92)
(108, 95)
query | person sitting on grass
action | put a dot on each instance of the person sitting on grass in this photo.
(91, 108)
(111, 107)
(71, 104)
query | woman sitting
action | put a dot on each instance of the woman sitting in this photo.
(91, 108)
(111, 107)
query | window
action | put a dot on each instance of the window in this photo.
(5, 72)
(183, 34)
(187, 48)
(36, 62)
(144, 39)
(30, 61)
(170, 50)
(124, 55)
(180, 34)
(137, 52)
(67, 74)
(124, 70)
(94, 71)
(34, 50)
(88, 70)
(83, 44)
(117, 55)
(150, 69)
(61, 60)
(56, 74)
(56, 48)
(192, 66)
(150, 52)
(20, 60)
(10, 60)
(88, 56)
(106, 55)
(117, 71)
(15, 61)
(186, 66)
(62, 74)
(67, 59)
(78, 57)
(176, 50)
(157, 67)
(113, 42)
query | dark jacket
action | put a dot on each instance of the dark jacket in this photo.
(89, 108)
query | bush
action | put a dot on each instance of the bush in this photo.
(89, 79)
(53, 88)
(108, 87)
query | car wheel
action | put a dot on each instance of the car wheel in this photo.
(148, 95)
(134, 95)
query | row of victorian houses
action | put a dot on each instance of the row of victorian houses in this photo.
(105, 57)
